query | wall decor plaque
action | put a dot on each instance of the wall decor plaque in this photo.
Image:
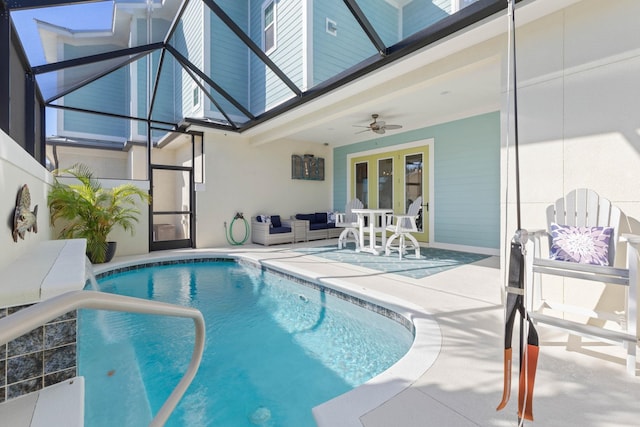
(308, 167)
(23, 218)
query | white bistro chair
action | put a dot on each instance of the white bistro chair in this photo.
(349, 221)
(402, 228)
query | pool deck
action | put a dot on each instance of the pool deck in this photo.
(587, 386)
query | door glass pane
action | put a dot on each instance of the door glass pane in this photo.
(362, 183)
(413, 182)
(385, 184)
(171, 204)
(170, 227)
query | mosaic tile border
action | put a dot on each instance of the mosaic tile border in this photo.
(383, 311)
(40, 358)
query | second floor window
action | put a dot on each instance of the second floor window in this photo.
(269, 26)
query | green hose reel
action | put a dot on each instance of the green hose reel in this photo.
(229, 232)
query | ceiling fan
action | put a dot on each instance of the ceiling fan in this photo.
(378, 126)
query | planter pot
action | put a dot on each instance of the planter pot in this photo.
(108, 256)
(111, 251)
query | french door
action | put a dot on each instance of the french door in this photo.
(393, 180)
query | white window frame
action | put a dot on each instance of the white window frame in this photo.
(460, 4)
(196, 92)
(331, 27)
(265, 5)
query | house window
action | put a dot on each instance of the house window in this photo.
(196, 97)
(269, 26)
(331, 27)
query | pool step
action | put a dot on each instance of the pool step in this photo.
(59, 405)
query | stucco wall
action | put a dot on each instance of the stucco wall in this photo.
(578, 101)
(16, 169)
(254, 180)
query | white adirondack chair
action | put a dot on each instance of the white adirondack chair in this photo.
(402, 228)
(349, 221)
(584, 208)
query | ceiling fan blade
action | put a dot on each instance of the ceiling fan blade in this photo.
(380, 123)
(365, 130)
(393, 127)
(379, 130)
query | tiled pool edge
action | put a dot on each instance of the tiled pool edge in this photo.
(383, 311)
(347, 409)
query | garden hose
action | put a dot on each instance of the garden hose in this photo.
(229, 233)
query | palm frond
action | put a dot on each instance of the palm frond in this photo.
(91, 211)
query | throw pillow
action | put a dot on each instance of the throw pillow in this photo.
(585, 245)
(275, 221)
(263, 218)
(331, 217)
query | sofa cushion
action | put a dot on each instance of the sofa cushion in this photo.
(275, 221)
(320, 218)
(318, 226)
(306, 217)
(279, 230)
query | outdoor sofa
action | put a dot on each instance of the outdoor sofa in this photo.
(318, 225)
(271, 230)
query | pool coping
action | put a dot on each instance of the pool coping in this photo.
(346, 409)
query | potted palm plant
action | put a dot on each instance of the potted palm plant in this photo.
(89, 211)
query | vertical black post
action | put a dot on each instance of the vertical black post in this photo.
(30, 115)
(515, 109)
(5, 69)
(42, 136)
(150, 179)
(192, 192)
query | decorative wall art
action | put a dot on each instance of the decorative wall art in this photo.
(23, 218)
(307, 167)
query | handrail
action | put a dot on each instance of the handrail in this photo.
(23, 321)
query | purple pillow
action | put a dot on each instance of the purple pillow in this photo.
(584, 245)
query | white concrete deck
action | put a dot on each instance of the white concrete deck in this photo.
(586, 387)
(57, 405)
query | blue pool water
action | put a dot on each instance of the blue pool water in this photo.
(274, 349)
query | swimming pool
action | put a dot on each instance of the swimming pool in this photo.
(288, 350)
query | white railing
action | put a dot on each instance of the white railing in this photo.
(17, 324)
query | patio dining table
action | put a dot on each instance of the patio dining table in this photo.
(377, 223)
